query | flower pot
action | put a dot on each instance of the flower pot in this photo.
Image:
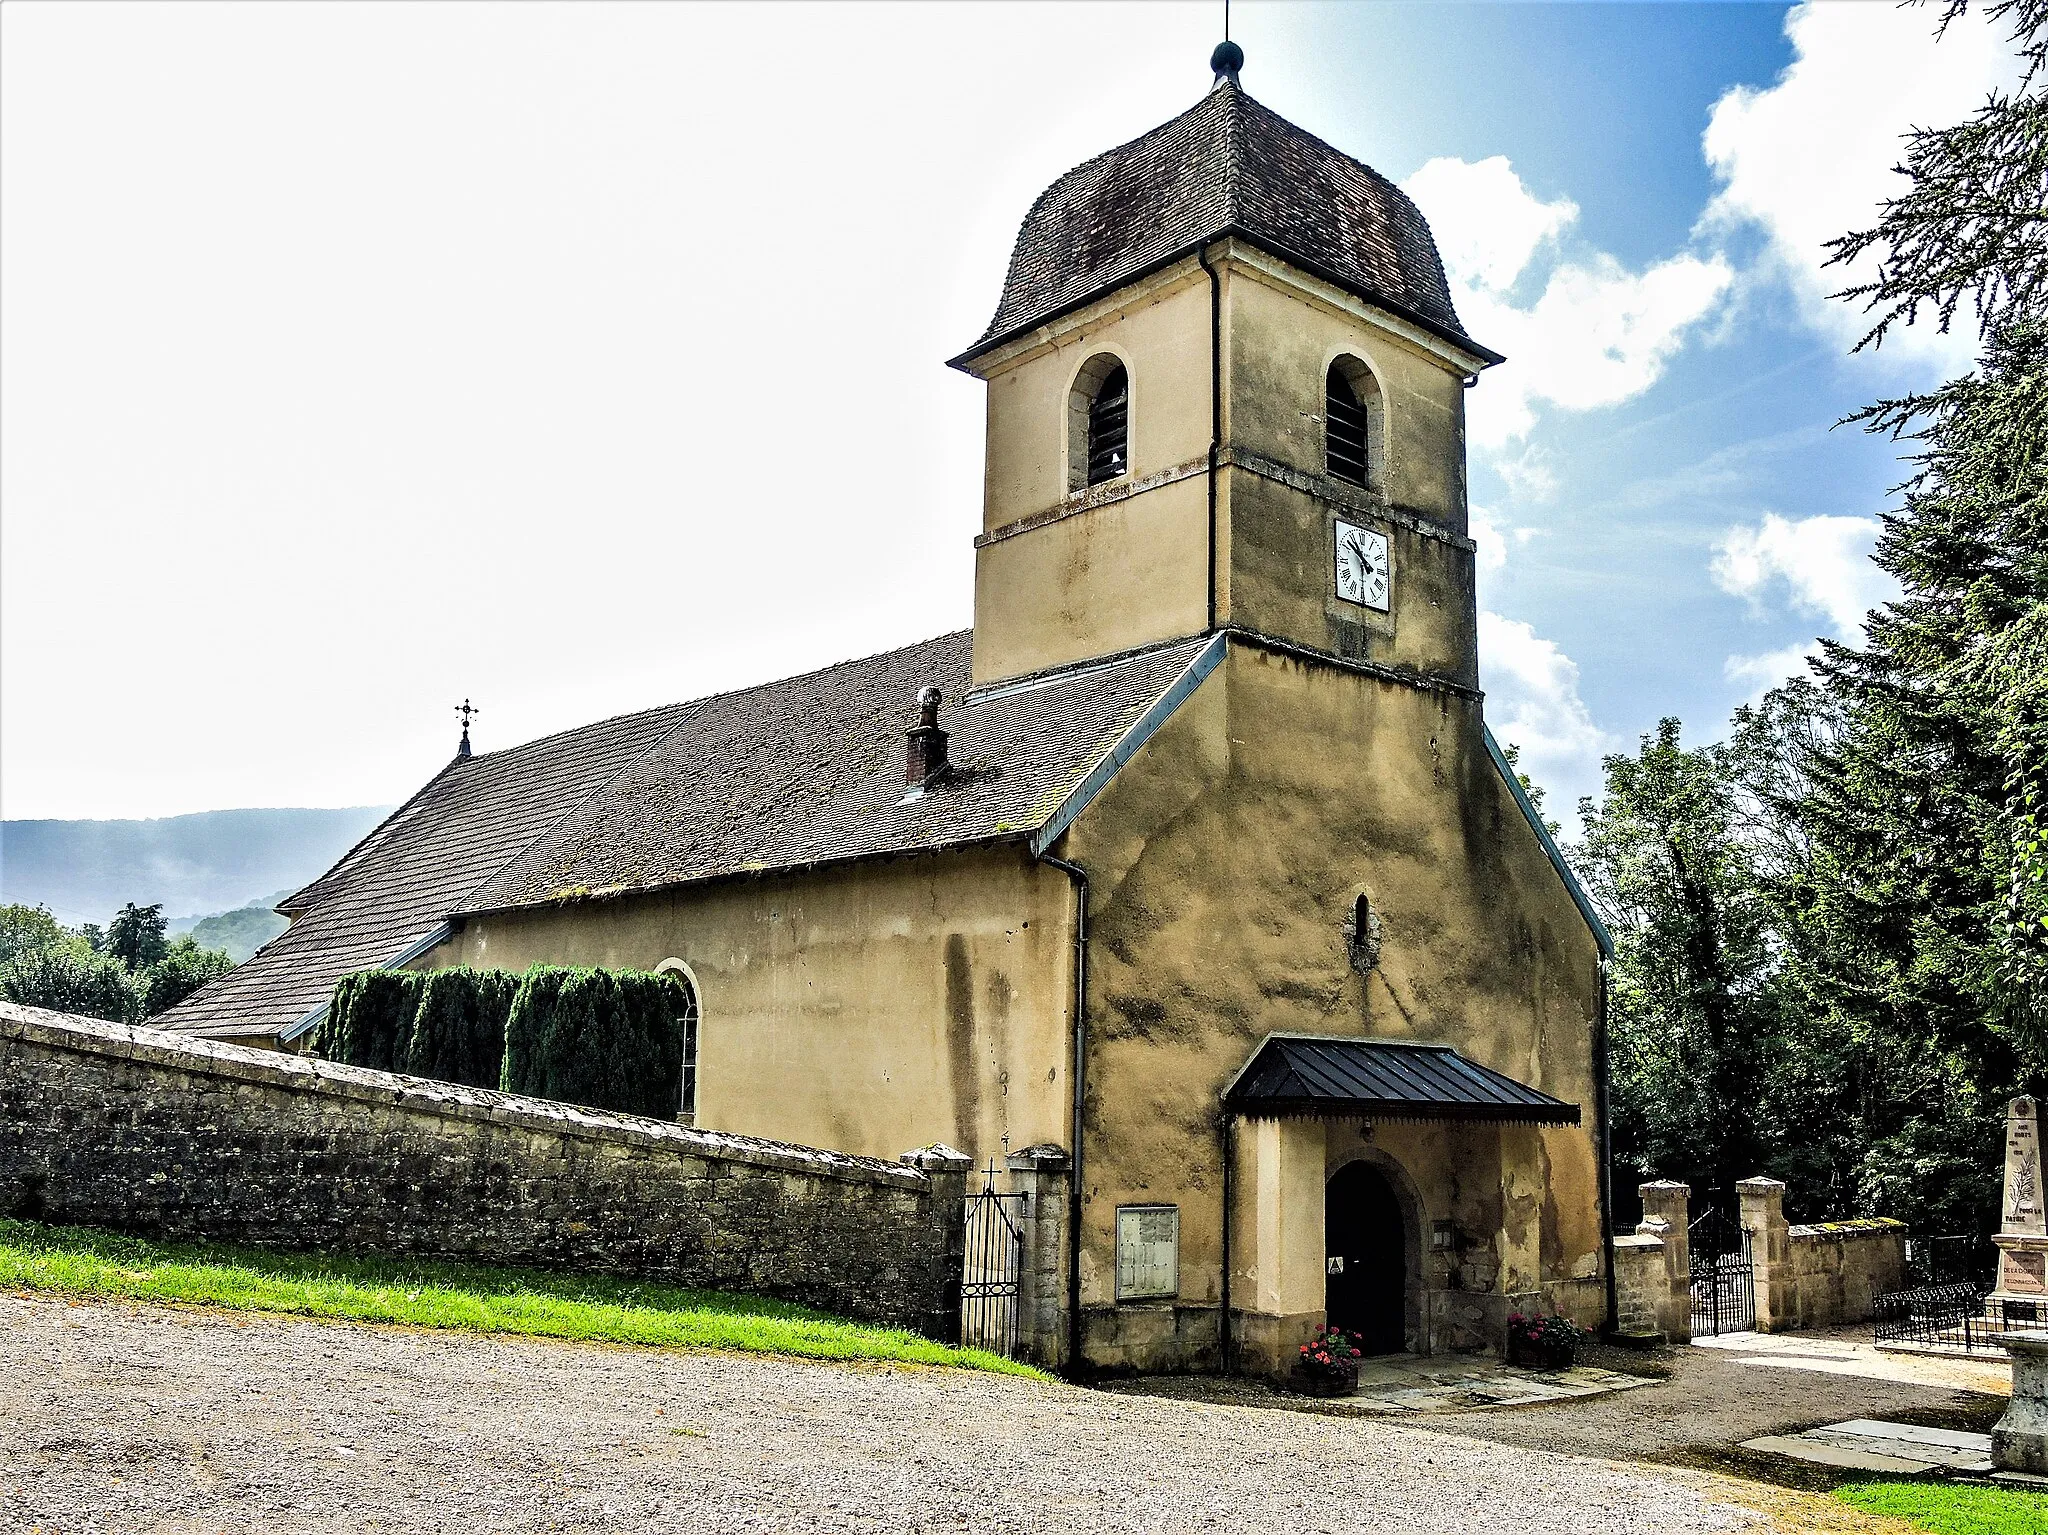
(1337, 1378)
(1540, 1356)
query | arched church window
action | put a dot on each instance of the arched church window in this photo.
(687, 1019)
(1351, 421)
(1099, 418)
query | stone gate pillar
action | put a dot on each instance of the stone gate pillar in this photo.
(1039, 1175)
(1667, 1216)
(1770, 1253)
(948, 1171)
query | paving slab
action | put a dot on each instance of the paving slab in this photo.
(1912, 1433)
(1843, 1458)
(1967, 1461)
(1903, 1446)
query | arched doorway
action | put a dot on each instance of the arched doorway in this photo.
(1366, 1267)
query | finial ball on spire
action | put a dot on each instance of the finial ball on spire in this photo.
(1227, 60)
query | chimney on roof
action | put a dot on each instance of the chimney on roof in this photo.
(925, 758)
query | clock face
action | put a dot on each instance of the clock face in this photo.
(1365, 575)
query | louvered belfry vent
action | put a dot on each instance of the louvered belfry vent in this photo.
(1344, 418)
(1109, 428)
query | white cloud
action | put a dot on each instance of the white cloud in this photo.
(1531, 474)
(1824, 563)
(1766, 671)
(1597, 334)
(1487, 224)
(1532, 700)
(1493, 539)
(1824, 567)
(1811, 157)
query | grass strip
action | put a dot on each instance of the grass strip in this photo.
(1951, 1508)
(86, 1260)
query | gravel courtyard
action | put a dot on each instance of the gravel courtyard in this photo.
(116, 1419)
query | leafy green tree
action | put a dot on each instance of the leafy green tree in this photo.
(1694, 1001)
(184, 968)
(70, 978)
(28, 927)
(1530, 787)
(136, 936)
(45, 965)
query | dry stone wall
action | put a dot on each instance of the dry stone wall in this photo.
(104, 1124)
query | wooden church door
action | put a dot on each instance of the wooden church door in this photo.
(1366, 1259)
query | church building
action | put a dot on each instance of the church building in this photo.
(1190, 876)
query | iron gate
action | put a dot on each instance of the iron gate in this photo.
(1723, 1278)
(990, 1280)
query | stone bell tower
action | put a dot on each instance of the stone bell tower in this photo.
(1225, 391)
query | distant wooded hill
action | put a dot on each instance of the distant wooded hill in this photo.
(216, 862)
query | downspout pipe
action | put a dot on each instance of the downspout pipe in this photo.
(1215, 415)
(1079, 1072)
(1229, 1180)
(1605, 1187)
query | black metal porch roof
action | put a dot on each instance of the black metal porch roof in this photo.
(1296, 1075)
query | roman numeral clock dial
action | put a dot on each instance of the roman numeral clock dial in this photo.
(1364, 573)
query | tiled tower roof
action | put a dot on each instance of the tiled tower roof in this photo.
(1226, 166)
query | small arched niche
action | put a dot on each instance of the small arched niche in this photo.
(1354, 424)
(688, 1022)
(1098, 423)
(1362, 933)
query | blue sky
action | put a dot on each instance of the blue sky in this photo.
(354, 360)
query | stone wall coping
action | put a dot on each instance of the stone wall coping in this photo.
(1760, 1185)
(1641, 1242)
(939, 1158)
(1843, 1231)
(298, 1073)
(1045, 1157)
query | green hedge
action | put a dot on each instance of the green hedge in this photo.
(607, 1039)
(458, 1029)
(369, 1019)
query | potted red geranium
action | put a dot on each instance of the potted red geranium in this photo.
(1543, 1342)
(1328, 1365)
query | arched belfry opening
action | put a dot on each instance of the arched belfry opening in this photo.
(1099, 423)
(1353, 424)
(1369, 1251)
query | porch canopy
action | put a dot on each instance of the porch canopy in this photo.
(1295, 1076)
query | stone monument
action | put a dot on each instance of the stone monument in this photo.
(2023, 1220)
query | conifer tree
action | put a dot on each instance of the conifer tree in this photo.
(1912, 933)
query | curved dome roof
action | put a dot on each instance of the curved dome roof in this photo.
(1226, 166)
